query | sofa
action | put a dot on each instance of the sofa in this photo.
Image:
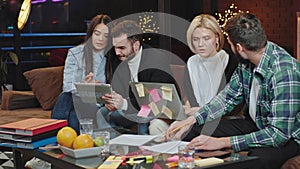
(46, 85)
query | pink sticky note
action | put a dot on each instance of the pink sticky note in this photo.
(144, 112)
(174, 158)
(155, 95)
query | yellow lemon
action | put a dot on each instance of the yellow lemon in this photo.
(83, 141)
(65, 136)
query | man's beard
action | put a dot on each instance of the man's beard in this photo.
(127, 57)
(241, 59)
(131, 54)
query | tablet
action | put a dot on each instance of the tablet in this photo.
(92, 92)
(158, 99)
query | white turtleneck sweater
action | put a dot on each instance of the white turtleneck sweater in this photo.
(206, 75)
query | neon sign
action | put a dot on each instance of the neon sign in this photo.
(42, 1)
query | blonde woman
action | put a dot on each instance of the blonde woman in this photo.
(206, 69)
(205, 75)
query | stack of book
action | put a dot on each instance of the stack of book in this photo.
(30, 133)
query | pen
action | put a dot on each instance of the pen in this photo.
(179, 127)
(147, 158)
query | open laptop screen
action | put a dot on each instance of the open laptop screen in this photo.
(158, 99)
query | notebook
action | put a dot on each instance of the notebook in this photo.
(158, 99)
(92, 92)
(32, 126)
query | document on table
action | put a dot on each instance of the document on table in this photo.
(131, 139)
(170, 147)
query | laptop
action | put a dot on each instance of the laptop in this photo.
(92, 92)
(158, 99)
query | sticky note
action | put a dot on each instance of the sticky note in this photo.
(167, 112)
(208, 161)
(144, 112)
(174, 158)
(167, 93)
(155, 95)
(154, 108)
(140, 89)
(111, 162)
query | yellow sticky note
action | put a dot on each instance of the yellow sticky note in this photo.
(167, 93)
(140, 89)
(167, 112)
(208, 161)
(112, 162)
(154, 108)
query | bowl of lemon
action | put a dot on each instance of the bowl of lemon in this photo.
(78, 146)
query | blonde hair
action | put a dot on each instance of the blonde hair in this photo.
(206, 21)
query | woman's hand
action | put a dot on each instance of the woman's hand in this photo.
(90, 78)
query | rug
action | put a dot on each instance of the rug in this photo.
(6, 160)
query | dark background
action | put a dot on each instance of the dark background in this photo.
(278, 17)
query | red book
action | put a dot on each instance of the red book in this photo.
(32, 126)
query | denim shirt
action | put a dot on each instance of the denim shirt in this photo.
(75, 68)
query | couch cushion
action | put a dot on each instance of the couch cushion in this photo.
(46, 83)
(18, 100)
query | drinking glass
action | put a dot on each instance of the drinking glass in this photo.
(186, 156)
(86, 126)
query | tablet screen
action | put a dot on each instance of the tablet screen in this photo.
(92, 92)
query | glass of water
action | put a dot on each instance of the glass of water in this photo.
(186, 156)
(86, 126)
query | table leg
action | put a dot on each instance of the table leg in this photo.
(17, 159)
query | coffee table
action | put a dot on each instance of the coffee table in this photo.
(59, 160)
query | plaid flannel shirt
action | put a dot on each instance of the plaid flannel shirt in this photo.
(278, 101)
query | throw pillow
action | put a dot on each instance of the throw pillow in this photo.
(46, 83)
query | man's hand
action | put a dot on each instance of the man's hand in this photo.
(114, 99)
(204, 142)
(178, 128)
(110, 107)
(190, 110)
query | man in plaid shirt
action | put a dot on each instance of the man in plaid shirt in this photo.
(268, 81)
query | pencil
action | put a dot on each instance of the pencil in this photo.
(179, 127)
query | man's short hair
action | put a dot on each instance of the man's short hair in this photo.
(246, 29)
(129, 28)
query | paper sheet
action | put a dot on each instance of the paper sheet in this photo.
(170, 147)
(131, 139)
